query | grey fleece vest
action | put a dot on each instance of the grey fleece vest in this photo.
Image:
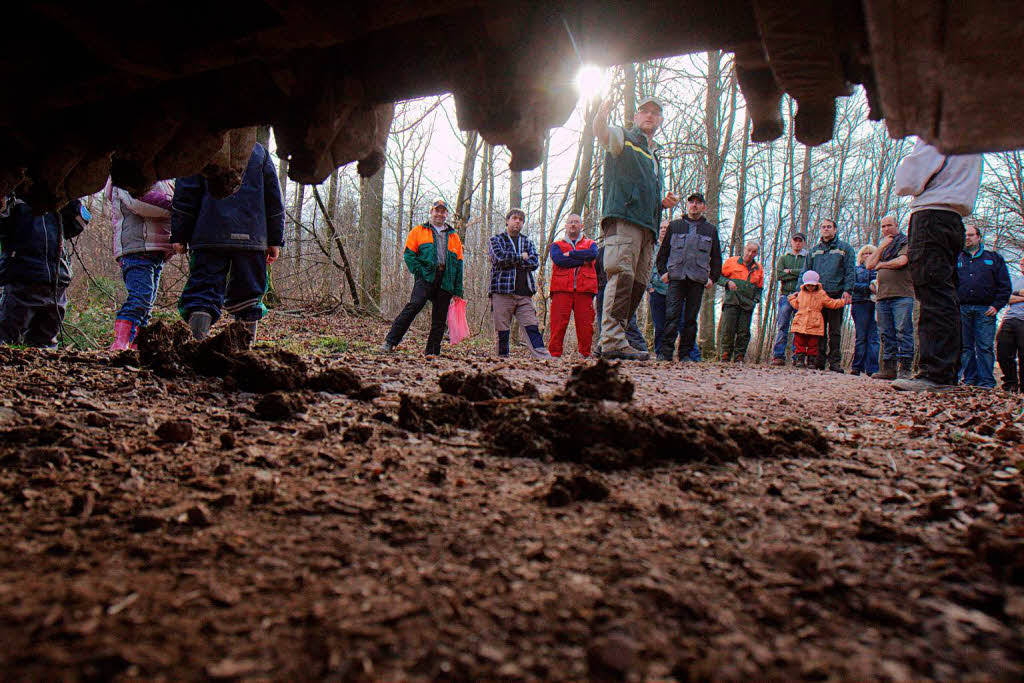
(690, 255)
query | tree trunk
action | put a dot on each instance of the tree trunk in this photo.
(263, 136)
(583, 178)
(371, 218)
(465, 198)
(739, 218)
(805, 191)
(300, 197)
(515, 190)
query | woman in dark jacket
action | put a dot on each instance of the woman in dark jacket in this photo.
(865, 351)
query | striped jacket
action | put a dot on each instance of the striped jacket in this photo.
(506, 258)
(143, 224)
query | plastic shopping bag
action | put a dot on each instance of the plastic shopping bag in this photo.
(458, 328)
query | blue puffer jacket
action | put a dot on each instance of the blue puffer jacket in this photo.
(984, 279)
(862, 280)
(251, 219)
(32, 249)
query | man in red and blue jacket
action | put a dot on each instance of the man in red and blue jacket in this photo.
(573, 287)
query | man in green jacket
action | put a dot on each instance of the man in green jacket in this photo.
(433, 254)
(787, 271)
(743, 279)
(836, 263)
(631, 213)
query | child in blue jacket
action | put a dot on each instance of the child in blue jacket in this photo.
(35, 270)
(232, 241)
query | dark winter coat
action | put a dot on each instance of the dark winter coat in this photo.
(32, 250)
(984, 279)
(251, 219)
(835, 262)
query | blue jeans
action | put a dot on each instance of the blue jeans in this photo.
(657, 302)
(896, 328)
(784, 318)
(977, 357)
(865, 351)
(141, 273)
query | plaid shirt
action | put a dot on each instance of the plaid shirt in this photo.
(506, 258)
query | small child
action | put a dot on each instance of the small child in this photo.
(142, 243)
(808, 324)
(35, 270)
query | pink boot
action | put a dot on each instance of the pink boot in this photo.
(124, 334)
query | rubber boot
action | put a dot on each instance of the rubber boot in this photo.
(124, 334)
(903, 369)
(503, 338)
(887, 371)
(251, 326)
(199, 322)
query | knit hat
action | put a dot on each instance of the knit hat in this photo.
(812, 278)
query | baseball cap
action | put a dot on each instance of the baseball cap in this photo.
(800, 236)
(648, 100)
(439, 203)
(812, 278)
(696, 196)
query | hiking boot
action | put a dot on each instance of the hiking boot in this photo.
(855, 373)
(887, 371)
(836, 368)
(664, 358)
(1011, 388)
(919, 384)
(903, 369)
(386, 347)
(540, 352)
(628, 353)
(724, 358)
(738, 359)
(778, 362)
(199, 322)
(800, 361)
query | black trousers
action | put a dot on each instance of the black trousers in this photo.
(935, 240)
(831, 349)
(30, 313)
(422, 292)
(683, 295)
(1010, 351)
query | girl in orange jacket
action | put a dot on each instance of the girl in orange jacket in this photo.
(808, 324)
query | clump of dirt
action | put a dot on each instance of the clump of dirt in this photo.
(607, 436)
(437, 413)
(566, 490)
(162, 347)
(342, 380)
(169, 350)
(279, 406)
(1004, 555)
(599, 382)
(178, 431)
(483, 386)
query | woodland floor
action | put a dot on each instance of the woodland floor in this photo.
(727, 523)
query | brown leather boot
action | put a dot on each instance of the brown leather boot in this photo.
(903, 369)
(887, 371)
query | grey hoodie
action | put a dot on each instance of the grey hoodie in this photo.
(954, 180)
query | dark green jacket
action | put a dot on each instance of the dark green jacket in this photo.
(789, 283)
(836, 263)
(633, 185)
(420, 257)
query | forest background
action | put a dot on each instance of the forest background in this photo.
(345, 238)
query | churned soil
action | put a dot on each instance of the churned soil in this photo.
(290, 512)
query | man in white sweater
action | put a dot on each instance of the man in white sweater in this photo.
(944, 189)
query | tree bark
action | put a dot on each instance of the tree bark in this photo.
(515, 190)
(464, 201)
(371, 227)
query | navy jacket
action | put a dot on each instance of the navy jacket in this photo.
(836, 263)
(862, 280)
(31, 248)
(984, 279)
(251, 219)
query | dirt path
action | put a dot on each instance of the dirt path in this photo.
(346, 542)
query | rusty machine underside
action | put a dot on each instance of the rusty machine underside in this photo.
(147, 90)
